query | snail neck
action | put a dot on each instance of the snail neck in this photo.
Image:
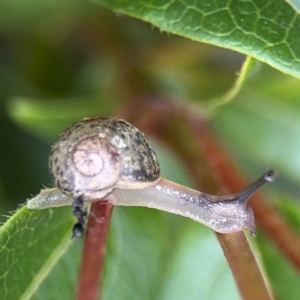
(223, 214)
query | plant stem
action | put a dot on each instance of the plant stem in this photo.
(242, 262)
(94, 251)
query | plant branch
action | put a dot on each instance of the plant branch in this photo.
(243, 265)
(94, 251)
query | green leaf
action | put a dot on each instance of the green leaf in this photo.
(155, 255)
(31, 243)
(61, 282)
(268, 31)
(197, 252)
(154, 251)
(295, 4)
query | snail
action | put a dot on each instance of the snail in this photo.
(108, 158)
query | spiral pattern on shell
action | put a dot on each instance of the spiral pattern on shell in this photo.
(90, 155)
(94, 156)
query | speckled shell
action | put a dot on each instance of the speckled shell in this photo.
(94, 156)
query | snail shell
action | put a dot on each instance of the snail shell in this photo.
(95, 155)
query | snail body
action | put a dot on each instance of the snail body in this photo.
(101, 158)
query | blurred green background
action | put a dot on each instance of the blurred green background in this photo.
(65, 60)
(62, 62)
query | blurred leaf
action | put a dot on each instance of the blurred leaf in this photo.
(267, 31)
(205, 259)
(23, 166)
(47, 118)
(182, 70)
(14, 14)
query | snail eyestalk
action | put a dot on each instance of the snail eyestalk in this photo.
(244, 195)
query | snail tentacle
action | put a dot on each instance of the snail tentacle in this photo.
(246, 193)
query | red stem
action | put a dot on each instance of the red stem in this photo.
(242, 262)
(94, 251)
